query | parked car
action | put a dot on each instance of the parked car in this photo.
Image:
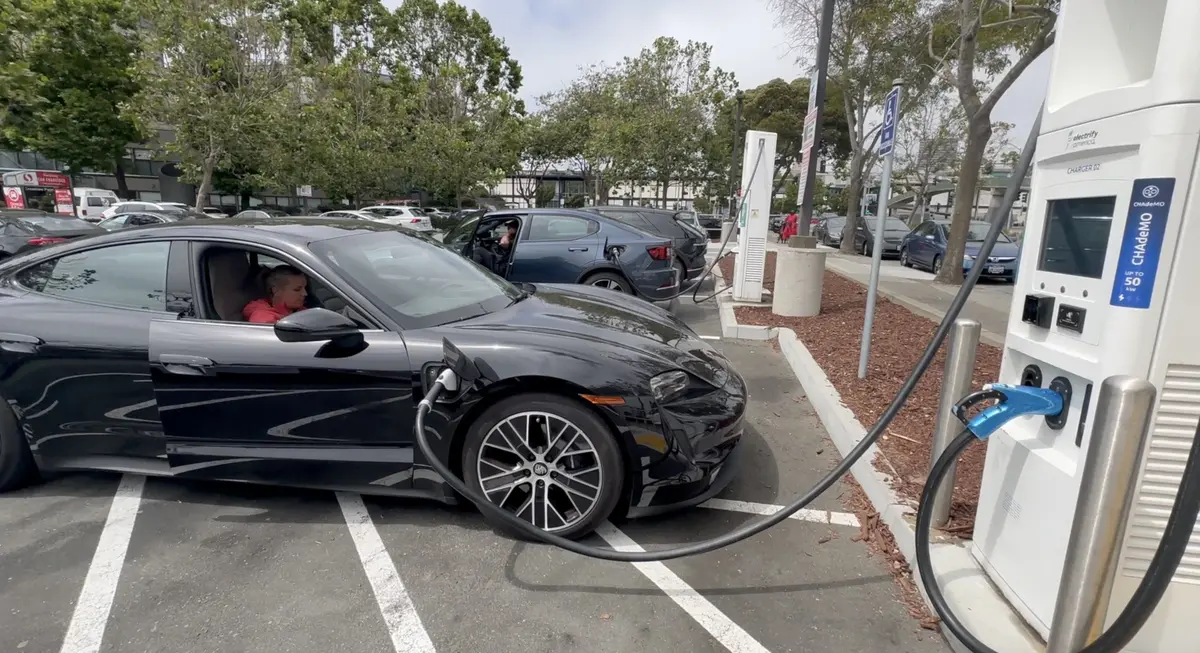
(408, 217)
(350, 214)
(128, 207)
(894, 232)
(689, 240)
(91, 202)
(179, 389)
(24, 230)
(925, 248)
(570, 246)
(828, 230)
(147, 218)
(259, 214)
(711, 225)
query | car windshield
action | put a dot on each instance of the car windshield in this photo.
(53, 223)
(977, 231)
(835, 224)
(385, 211)
(894, 225)
(422, 282)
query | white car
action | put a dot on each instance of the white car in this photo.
(129, 207)
(351, 214)
(402, 216)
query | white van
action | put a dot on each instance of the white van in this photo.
(91, 202)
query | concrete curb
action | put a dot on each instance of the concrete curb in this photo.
(970, 594)
(729, 324)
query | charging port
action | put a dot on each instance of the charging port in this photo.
(1063, 387)
(1032, 376)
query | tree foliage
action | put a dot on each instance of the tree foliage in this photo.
(66, 69)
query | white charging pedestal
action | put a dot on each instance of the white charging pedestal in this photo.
(1106, 285)
(754, 216)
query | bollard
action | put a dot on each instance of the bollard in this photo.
(726, 227)
(1114, 457)
(799, 279)
(956, 384)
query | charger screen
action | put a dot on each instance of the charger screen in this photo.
(1075, 239)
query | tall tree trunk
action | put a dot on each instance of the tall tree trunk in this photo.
(206, 175)
(122, 183)
(965, 194)
(858, 162)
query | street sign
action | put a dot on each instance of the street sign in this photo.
(891, 109)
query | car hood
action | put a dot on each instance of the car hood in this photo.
(1000, 249)
(574, 319)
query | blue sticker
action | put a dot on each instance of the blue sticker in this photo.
(1141, 247)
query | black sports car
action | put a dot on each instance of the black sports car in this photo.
(129, 351)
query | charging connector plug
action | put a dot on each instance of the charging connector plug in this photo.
(1013, 401)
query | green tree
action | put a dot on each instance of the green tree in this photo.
(666, 102)
(781, 107)
(541, 148)
(218, 71)
(581, 117)
(466, 125)
(982, 40)
(874, 42)
(66, 70)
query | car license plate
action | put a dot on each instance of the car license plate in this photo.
(996, 269)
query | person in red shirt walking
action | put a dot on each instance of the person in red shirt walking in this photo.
(286, 289)
(789, 227)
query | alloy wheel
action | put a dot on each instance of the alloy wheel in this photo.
(542, 468)
(904, 258)
(608, 284)
(937, 264)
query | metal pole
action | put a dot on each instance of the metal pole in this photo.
(956, 384)
(735, 163)
(1114, 457)
(885, 190)
(816, 100)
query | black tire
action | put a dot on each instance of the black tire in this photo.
(866, 249)
(610, 281)
(604, 453)
(937, 264)
(17, 468)
(680, 274)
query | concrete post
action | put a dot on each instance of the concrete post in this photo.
(726, 227)
(799, 278)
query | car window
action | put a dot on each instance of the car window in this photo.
(130, 276)
(14, 229)
(420, 281)
(560, 227)
(95, 201)
(53, 223)
(115, 221)
(631, 218)
(141, 219)
(460, 234)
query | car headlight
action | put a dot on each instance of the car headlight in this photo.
(669, 385)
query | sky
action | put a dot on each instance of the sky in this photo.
(552, 39)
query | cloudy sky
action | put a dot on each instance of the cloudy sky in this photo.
(553, 38)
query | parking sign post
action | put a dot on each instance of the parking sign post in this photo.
(887, 141)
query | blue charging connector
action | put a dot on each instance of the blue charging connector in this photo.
(1013, 401)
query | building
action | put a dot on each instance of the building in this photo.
(561, 187)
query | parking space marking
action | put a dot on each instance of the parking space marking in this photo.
(710, 337)
(721, 627)
(404, 624)
(804, 514)
(86, 630)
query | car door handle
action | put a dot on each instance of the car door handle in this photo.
(184, 364)
(577, 249)
(19, 343)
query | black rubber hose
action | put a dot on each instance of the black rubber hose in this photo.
(998, 218)
(1149, 592)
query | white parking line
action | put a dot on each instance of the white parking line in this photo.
(721, 627)
(399, 613)
(710, 337)
(804, 514)
(86, 631)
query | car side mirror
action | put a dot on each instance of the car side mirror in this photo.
(318, 325)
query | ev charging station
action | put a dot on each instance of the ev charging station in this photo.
(1105, 286)
(754, 215)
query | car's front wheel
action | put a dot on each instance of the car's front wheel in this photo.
(547, 459)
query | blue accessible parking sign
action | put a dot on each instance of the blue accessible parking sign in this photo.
(1141, 246)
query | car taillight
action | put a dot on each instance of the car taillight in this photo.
(38, 242)
(660, 252)
(415, 221)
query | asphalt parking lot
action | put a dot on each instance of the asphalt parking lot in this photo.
(111, 563)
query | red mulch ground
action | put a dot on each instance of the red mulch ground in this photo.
(899, 337)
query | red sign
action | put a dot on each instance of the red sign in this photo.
(14, 198)
(54, 180)
(62, 202)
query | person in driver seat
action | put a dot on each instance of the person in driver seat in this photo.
(286, 289)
